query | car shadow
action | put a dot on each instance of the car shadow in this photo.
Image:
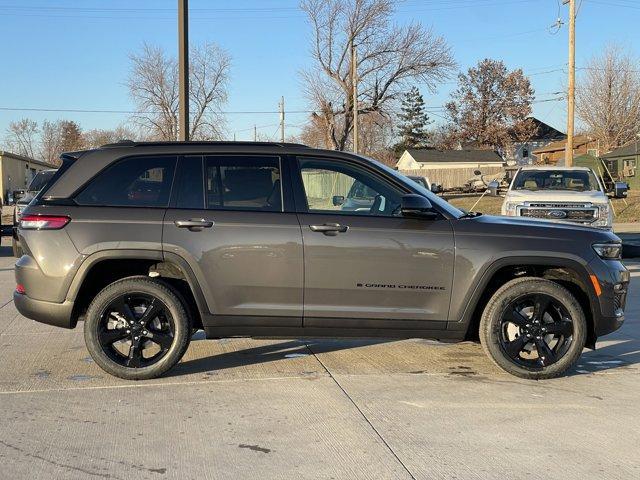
(623, 354)
(6, 251)
(267, 353)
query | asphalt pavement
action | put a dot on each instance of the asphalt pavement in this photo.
(313, 409)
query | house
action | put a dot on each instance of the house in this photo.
(16, 171)
(553, 153)
(431, 159)
(623, 162)
(522, 153)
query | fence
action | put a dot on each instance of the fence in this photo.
(455, 177)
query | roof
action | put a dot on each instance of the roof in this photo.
(444, 156)
(631, 149)
(545, 131)
(551, 167)
(578, 141)
(131, 143)
(15, 156)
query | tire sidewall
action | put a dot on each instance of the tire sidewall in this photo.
(491, 323)
(132, 285)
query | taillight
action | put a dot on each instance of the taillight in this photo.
(20, 289)
(43, 222)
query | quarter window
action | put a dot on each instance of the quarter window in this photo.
(243, 183)
(132, 182)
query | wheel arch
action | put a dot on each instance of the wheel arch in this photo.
(105, 267)
(568, 272)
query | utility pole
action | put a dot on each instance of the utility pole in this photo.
(255, 133)
(354, 79)
(571, 94)
(282, 119)
(183, 70)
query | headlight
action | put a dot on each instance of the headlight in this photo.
(608, 251)
(510, 208)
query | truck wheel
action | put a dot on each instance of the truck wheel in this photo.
(533, 328)
(17, 249)
(137, 328)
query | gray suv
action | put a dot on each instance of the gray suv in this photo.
(146, 242)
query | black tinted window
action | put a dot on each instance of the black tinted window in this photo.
(243, 183)
(134, 181)
(189, 185)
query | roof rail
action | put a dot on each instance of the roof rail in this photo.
(131, 143)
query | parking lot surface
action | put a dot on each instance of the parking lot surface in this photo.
(326, 409)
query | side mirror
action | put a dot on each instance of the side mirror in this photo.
(620, 189)
(338, 200)
(493, 188)
(417, 206)
(435, 188)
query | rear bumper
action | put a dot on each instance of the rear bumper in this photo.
(57, 314)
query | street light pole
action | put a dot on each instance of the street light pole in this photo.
(571, 94)
(183, 70)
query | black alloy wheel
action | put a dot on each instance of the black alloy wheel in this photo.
(536, 330)
(136, 330)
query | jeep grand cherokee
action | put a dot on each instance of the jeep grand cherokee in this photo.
(145, 242)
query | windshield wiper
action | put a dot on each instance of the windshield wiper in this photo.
(471, 214)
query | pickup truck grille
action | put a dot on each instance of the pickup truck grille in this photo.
(572, 212)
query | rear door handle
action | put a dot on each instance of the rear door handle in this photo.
(330, 229)
(194, 224)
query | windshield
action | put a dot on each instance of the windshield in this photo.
(571, 180)
(433, 198)
(40, 180)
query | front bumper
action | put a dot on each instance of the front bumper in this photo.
(56, 314)
(613, 277)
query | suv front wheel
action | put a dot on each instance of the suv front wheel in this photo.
(137, 328)
(533, 328)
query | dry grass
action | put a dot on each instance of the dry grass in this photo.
(625, 213)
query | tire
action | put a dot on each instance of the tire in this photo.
(17, 248)
(172, 317)
(563, 307)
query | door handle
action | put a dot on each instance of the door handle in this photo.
(194, 224)
(330, 229)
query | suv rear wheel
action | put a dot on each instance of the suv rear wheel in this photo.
(533, 328)
(137, 328)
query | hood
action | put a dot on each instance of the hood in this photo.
(541, 228)
(595, 196)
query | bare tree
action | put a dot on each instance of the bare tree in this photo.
(608, 97)
(153, 85)
(22, 137)
(98, 137)
(491, 105)
(51, 141)
(389, 58)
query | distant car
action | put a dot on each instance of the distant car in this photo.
(38, 182)
(570, 194)
(426, 183)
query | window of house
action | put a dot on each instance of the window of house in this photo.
(629, 167)
(243, 183)
(132, 182)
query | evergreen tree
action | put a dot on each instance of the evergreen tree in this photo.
(414, 120)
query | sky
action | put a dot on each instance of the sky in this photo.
(74, 55)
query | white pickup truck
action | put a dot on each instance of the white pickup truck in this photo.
(572, 194)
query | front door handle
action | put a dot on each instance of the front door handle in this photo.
(330, 229)
(194, 224)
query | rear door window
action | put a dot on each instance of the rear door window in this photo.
(243, 183)
(132, 182)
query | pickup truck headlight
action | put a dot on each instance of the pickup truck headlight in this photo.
(608, 251)
(510, 208)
